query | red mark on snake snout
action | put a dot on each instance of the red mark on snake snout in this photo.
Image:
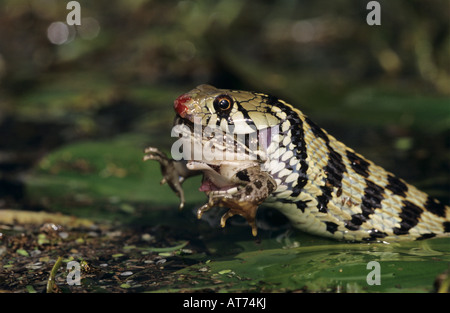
(180, 106)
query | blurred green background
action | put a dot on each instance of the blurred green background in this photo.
(78, 105)
(384, 90)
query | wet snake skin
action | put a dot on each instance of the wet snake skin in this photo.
(323, 187)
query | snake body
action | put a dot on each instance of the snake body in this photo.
(320, 184)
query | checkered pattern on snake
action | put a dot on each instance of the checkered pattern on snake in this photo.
(321, 185)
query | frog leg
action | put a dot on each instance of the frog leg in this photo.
(254, 186)
(174, 172)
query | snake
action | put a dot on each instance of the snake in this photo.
(255, 149)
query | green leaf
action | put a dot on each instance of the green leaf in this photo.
(22, 252)
(166, 249)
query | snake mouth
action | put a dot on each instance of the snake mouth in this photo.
(214, 182)
(219, 154)
(213, 145)
(179, 121)
(217, 172)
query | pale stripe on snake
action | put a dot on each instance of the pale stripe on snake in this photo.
(320, 184)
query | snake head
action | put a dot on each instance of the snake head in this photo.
(227, 139)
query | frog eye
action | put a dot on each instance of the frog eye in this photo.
(223, 104)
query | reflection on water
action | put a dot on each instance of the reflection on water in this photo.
(326, 265)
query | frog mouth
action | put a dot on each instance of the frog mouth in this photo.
(221, 191)
(213, 181)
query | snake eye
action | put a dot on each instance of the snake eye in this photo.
(223, 104)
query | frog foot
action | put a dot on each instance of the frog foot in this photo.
(246, 209)
(174, 172)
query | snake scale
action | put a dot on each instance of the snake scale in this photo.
(277, 156)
